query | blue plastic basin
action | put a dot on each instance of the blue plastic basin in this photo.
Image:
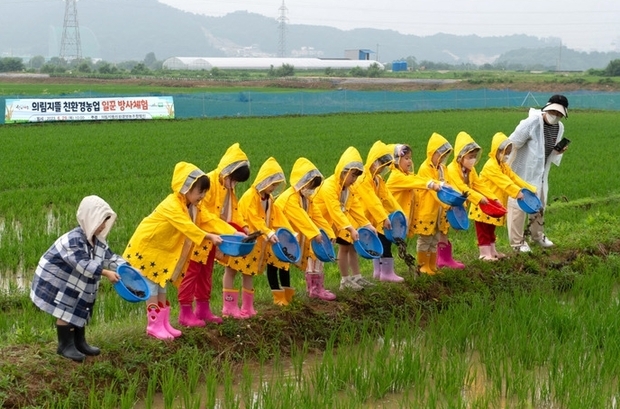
(287, 249)
(232, 245)
(368, 246)
(132, 286)
(399, 226)
(530, 203)
(323, 251)
(457, 217)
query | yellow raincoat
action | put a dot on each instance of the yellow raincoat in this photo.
(220, 201)
(158, 247)
(500, 179)
(340, 206)
(264, 216)
(371, 189)
(427, 208)
(305, 218)
(474, 187)
(401, 184)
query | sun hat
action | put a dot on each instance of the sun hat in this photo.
(558, 103)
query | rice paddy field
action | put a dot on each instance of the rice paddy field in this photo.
(540, 330)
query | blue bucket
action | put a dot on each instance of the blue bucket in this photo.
(450, 196)
(287, 249)
(399, 226)
(368, 246)
(132, 286)
(323, 251)
(457, 217)
(232, 245)
(530, 203)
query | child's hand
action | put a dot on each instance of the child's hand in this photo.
(215, 239)
(371, 228)
(318, 238)
(387, 224)
(355, 236)
(436, 187)
(273, 239)
(113, 276)
(484, 201)
(520, 195)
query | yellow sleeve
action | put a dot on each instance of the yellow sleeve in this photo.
(370, 201)
(179, 218)
(299, 218)
(333, 209)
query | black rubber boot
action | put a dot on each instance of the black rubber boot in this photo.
(81, 345)
(66, 343)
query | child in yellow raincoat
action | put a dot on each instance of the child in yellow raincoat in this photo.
(257, 208)
(159, 247)
(379, 204)
(463, 177)
(296, 203)
(220, 201)
(340, 206)
(502, 182)
(403, 181)
(428, 219)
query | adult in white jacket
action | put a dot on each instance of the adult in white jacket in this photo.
(535, 140)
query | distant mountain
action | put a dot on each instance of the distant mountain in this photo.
(121, 30)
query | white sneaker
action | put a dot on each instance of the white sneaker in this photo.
(522, 248)
(544, 242)
(348, 283)
(359, 280)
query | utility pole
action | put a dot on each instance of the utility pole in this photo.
(282, 20)
(71, 45)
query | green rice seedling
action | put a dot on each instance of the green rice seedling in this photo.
(129, 394)
(169, 383)
(230, 398)
(210, 387)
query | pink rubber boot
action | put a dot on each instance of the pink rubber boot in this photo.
(165, 311)
(322, 293)
(444, 256)
(155, 326)
(231, 306)
(203, 312)
(247, 303)
(376, 272)
(187, 318)
(320, 290)
(387, 271)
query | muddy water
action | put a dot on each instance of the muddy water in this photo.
(476, 387)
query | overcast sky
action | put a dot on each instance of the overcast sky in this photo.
(592, 25)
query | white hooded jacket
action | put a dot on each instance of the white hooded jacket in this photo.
(528, 157)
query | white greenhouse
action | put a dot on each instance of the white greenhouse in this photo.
(207, 63)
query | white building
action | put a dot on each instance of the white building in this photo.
(224, 63)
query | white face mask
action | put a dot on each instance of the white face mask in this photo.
(552, 119)
(469, 163)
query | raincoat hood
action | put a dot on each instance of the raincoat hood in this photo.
(93, 211)
(349, 160)
(499, 143)
(184, 176)
(437, 143)
(233, 159)
(303, 172)
(381, 152)
(269, 173)
(463, 145)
